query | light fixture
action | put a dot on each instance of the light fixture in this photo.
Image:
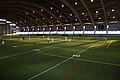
(65, 28)
(43, 18)
(76, 19)
(33, 11)
(50, 28)
(91, 0)
(51, 17)
(41, 9)
(51, 8)
(57, 10)
(95, 27)
(96, 12)
(107, 26)
(62, 5)
(38, 29)
(83, 13)
(36, 19)
(73, 27)
(57, 28)
(99, 17)
(113, 9)
(70, 14)
(76, 3)
(83, 27)
(113, 16)
(26, 13)
(60, 16)
(43, 29)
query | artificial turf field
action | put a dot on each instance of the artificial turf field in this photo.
(55, 61)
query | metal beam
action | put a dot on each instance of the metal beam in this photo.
(73, 9)
(104, 11)
(88, 10)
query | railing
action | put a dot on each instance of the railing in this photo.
(69, 32)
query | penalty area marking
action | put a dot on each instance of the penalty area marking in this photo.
(109, 44)
(61, 62)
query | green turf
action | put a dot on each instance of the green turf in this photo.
(96, 62)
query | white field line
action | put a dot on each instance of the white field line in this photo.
(60, 63)
(26, 52)
(109, 44)
(15, 55)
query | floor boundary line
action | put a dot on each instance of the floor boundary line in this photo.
(61, 62)
(16, 54)
(92, 61)
(109, 44)
(30, 51)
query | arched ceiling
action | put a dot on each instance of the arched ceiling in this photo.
(60, 12)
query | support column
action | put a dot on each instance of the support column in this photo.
(56, 30)
(65, 30)
(50, 31)
(107, 29)
(83, 30)
(73, 30)
(95, 29)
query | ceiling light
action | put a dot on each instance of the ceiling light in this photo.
(91, 0)
(38, 29)
(83, 27)
(96, 12)
(57, 10)
(99, 17)
(113, 10)
(26, 13)
(60, 16)
(51, 8)
(43, 18)
(113, 16)
(36, 19)
(76, 19)
(83, 13)
(76, 3)
(41, 9)
(51, 17)
(33, 11)
(62, 5)
(70, 14)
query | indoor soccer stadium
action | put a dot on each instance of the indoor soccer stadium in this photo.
(59, 39)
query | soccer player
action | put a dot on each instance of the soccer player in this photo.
(48, 39)
(52, 39)
(34, 43)
(69, 40)
(43, 36)
(29, 38)
(106, 40)
(3, 42)
(66, 38)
